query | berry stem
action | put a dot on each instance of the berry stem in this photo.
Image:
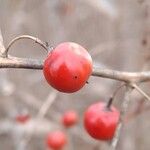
(109, 103)
(111, 99)
(36, 40)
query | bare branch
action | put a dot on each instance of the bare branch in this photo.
(36, 40)
(2, 48)
(44, 125)
(122, 116)
(41, 113)
(130, 77)
(141, 91)
(112, 97)
(15, 62)
(46, 105)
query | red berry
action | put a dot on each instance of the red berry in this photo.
(56, 140)
(22, 118)
(70, 118)
(101, 122)
(68, 67)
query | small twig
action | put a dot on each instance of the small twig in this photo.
(46, 105)
(36, 40)
(111, 99)
(122, 115)
(141, 91)
(42, 112)
(2, 48)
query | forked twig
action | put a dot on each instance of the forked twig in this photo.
(7, 61)
(141, 91)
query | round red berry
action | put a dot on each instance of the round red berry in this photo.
(22, 118)
(56, 140)
(101, 122)
(68, 67)
(70, 118)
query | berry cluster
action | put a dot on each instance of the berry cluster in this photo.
(56, 140)
(67, 68)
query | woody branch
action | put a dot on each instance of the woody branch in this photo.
(130, 78)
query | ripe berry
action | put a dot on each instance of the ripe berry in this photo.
(100, 121)
(69, 118)
(68, 67)
(22, 118)
(56, 140)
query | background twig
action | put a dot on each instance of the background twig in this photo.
(123, 111)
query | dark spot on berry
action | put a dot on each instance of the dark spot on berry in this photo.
(144, 41)
(75, 77)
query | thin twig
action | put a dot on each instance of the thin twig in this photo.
(111, 99)
(36, 40)
(46, 105)
(2, 48)
(141, 92)
(122, 116)
(42, 112)
(117, 89)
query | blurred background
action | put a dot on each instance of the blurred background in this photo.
(117, 35)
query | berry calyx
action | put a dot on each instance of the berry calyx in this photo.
(56, 140)
(101, 122)
(68, 67)
(70, 118)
